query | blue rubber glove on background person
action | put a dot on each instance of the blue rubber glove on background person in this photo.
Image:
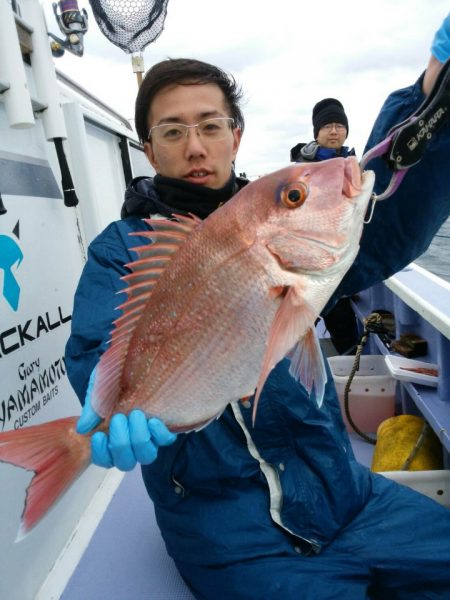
(440, 48)
(131, 439)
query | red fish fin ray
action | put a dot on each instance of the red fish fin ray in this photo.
(146, 263)
(152, 251)
(57, 455)
(107, 386)
(139, 290)
(143, 275)
(118, 336)
(167, 236)
(307, 365)
(128, 318)
(154, 254)
(182, 223)
(108, 376)
(292, 319)
(132, 302)
(109, 370)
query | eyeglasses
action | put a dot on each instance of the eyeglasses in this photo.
(170, 134)
(337, 126)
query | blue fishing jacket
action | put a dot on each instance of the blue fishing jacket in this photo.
(289, 485)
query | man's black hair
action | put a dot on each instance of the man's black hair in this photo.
(184, 71)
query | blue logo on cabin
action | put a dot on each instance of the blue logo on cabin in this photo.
(10, 258)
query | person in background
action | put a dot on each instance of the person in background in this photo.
(330, 125)
(281, 510)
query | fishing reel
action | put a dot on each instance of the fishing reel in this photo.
(73, 23)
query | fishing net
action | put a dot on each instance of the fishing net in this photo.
(130, 24)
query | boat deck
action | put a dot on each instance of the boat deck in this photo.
(126, 557)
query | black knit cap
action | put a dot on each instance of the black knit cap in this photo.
(328, 110)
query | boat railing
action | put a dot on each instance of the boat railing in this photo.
(420, 302)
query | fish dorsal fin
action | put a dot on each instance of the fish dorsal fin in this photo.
(291, 325)
(166, 237)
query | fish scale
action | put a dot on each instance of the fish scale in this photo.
(232, 339)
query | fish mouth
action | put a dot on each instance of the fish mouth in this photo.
(309, 248)
(357, 188)
(331, 259)
(313, 240)
(334, 259)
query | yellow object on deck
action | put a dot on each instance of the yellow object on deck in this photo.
(396, 443)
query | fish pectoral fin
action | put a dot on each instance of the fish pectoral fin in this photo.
(293, 318)
(307, 365)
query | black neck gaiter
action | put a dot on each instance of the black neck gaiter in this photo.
(183, 197)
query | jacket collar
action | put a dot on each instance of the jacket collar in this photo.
(166, 196)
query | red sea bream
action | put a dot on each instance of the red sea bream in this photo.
(212, 306)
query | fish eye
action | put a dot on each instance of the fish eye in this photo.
(294, 195)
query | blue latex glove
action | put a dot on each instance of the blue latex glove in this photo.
(440, 48)
(89, 419)
(131, 438)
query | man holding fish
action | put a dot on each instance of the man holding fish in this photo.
(278, 508)
(266, 503)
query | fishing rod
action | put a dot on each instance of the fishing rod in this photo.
(73, 23)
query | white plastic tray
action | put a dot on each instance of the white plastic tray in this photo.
(395, 364)
(434, 484)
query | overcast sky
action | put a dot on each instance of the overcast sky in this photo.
(287, 54)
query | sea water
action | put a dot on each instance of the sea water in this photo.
(437, 258)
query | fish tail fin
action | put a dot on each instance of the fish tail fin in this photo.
(58, 456)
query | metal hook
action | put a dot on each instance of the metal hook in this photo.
(373, 199)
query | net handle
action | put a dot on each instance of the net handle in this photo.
(137, 62)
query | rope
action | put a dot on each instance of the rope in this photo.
(412, 455)
(375, 319)
(374, 322)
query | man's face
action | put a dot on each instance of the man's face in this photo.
(332, 135)
(194, 159)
